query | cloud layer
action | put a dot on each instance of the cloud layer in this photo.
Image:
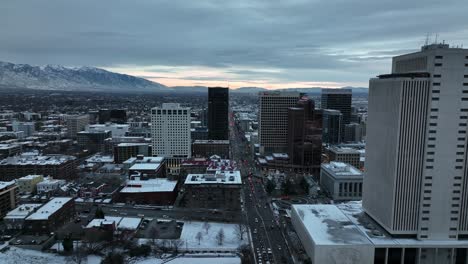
(288, 43)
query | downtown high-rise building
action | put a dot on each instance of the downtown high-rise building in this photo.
(332, 126)
(273, 120)
(416, 182)
(218, 113)
(339, 100)
(170, 130)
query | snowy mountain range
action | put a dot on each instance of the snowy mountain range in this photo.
(55, 77)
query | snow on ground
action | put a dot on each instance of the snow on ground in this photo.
(208, 241)
(192, 260)
(18, 255)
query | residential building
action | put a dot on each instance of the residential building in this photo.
(273, 120)
(332, 126)
(28, 183)
(8, 197)
(76, 123)
(341, 180)
(16, 217)
(56, 166)
(29, 128)
(49, 185)
(208, 148)
(170, 127)
(50, 216)
(220, 190)
(10, 149)
(218, 113)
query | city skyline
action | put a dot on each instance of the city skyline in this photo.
(294, 44)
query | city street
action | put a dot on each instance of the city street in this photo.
(268, 240)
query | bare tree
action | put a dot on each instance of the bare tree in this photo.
(220, 237)
(206, 226)
(153, 234)
(240, 230)
(199, 237)
(175, 244)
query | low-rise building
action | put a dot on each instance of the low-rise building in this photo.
(28, 183)
(125, 151)
(220, 190)
(344, 154)
(117, 130)
(15, 218)
(208, 148)
(8, 197)
(341, 180)
(57, 166)
(50, 216)
(152, 167)
(49, 185)
(8, 150)
(152, 191)
(93, 140)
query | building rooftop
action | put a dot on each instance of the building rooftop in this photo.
(29, 177)
(220, 177)
(98, 158)
(341, 169)
(343, 150)
(49, 208)
(327, 225)
(22, 211)
(146, 166)
(151, 185)
(107, 220)
(209, 141)
(144, 160)
(4, 185)
(38, 160)
(132, 144)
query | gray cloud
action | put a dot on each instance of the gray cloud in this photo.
(306, 40)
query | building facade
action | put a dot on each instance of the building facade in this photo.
(340, 100)
(208, 148)
(342, 181)
(50, 216)
(218, 113)
(93, 140)
(8, 197)
(124, 151)
(75, 124)
(332, 126)
(28, 183)
(273, 120)
(344, 154)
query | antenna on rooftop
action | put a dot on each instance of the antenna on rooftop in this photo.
(427, 39)
(437, 36)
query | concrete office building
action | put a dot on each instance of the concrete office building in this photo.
(341, 180)
(415, 193)
(218, 113)
(75, 124)
(170, 127)
(124, 151)
(117, 130)
(332, 126)
(344, 154)
(93, 140)
(273, 120)
(29, 128)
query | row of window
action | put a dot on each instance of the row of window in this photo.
(171, 112)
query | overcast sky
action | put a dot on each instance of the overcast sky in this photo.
(266, 43)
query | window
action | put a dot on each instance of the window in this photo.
(439, 57)
(429, 167)
(430, 160)
(463, 117)
(437, 99)
(432, 131)
(465, 84)
(435, 91)
(436, 84)
(437, 75)
(439, 65)
(432, 124)
(466, 76)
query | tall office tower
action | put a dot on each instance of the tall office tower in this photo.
(170, 130)
(218, 113)
(332, 126)
(338, 99)
(273, 119)
(305, 136)
(76, 123)
(416, 158)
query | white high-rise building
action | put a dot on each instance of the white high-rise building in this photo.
(76, 123)
(170, 129)
(273, 119)
(415, 191)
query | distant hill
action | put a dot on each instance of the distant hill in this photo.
(55, 77)
(248, 90)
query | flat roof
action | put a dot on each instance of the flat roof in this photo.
(327, 225)
(209, 141)
(145, 166)
(97, 222)
(29, 177)
(129, 223)
(22, 211)
(341, 169)
(220, 177)
(344, 150)
(49, 208)
(27, 159)
(144, 160)
(4, 184)
(151, 185)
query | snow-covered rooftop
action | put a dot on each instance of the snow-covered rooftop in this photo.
(146, 166)
(220, 177)
(22, 211)
(27, 159)
(49, 208)
(29, 177)
(4, 185)
(151, 185)
(98, 158)
(341, 169)
(107, 220)
(129, 223)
